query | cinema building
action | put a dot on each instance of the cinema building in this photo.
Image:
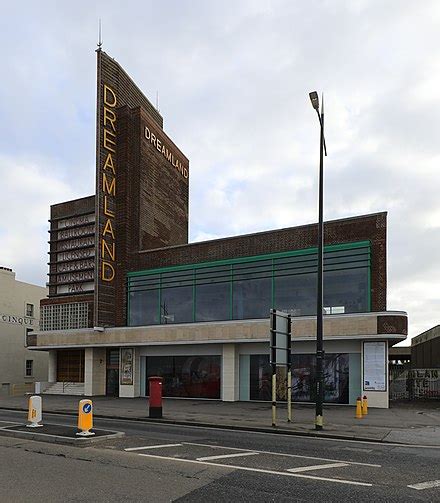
(129, 297)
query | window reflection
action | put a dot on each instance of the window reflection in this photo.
(248, 289)
(176, 305)
(144, 308)
(336, 378)
(186, 376)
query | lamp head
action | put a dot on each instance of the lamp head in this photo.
(314, 98)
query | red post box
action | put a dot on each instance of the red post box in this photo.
(155, 396)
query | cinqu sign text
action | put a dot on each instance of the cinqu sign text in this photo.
(108, 188)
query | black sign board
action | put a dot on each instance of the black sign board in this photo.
(280, 338)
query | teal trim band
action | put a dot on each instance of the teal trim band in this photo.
(369, 292)
(253, 258)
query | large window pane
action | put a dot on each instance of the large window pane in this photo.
(176, 305)
(213, 302)
(186, 376)
(296, 294)
(336, 378)
(346, 291)
(213, 293)
(252, 299)
(144, 308)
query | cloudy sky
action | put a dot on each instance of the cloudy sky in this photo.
(233, 79)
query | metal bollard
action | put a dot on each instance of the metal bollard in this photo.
(365, 405)
(358, 408)
(35, 414)
(85, 418)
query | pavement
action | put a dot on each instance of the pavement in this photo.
(411, 423)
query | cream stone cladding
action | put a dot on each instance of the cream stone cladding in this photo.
(14, 323)
(335, 327)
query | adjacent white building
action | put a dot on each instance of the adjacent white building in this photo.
(19, 317)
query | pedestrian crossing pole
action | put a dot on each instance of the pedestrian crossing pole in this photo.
(289, 370)
(274, 395)
(280, 355)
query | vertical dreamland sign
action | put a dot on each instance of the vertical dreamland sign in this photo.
(140, 177)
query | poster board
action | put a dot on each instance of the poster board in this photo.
(375, 366)
(127, 366)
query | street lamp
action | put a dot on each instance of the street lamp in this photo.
(320, 284)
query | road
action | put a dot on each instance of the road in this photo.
(159, 463)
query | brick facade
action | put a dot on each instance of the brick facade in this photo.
(361, 228)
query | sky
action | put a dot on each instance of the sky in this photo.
(233, 79)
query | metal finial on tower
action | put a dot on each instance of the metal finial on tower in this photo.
(99, 36)
(157, 101)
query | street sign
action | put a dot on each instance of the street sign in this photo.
(85, 418)
(280, 356)
(280, 338)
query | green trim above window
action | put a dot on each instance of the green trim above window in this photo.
(252, 258)
(284, 280)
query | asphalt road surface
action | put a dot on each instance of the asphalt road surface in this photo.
(158, 463)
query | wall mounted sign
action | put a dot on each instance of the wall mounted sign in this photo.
(127, 366)
(375, 366)
(72, 251)
(16, 320)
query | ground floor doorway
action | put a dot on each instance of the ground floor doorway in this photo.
(70, 365)
(112, 373)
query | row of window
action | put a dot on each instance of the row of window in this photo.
(199, 377)
(248, 289)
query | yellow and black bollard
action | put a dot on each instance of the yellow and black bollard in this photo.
(365, 405)
(85, 418)
(358, 408)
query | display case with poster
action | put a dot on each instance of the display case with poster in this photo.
(375, 366)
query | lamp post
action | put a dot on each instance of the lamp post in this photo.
(314, 98)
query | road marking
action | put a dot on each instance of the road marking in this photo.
(258, 470)
(224, 456)
(284, 454)
(242, 431)
(151, 447)
(426, 485)
(316, 467)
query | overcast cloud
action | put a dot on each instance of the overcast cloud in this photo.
(233, 79)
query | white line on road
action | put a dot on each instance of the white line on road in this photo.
(316, 467)
(224, 456)
(258, 470)
(426, 485)
(151, 447)
(283, 454)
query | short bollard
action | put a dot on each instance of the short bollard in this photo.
(35, 414)
(358, 408)
(365, 405)
(155, 397)
(85, 418)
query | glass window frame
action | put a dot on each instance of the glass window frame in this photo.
(29, 369)
(336, 257)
